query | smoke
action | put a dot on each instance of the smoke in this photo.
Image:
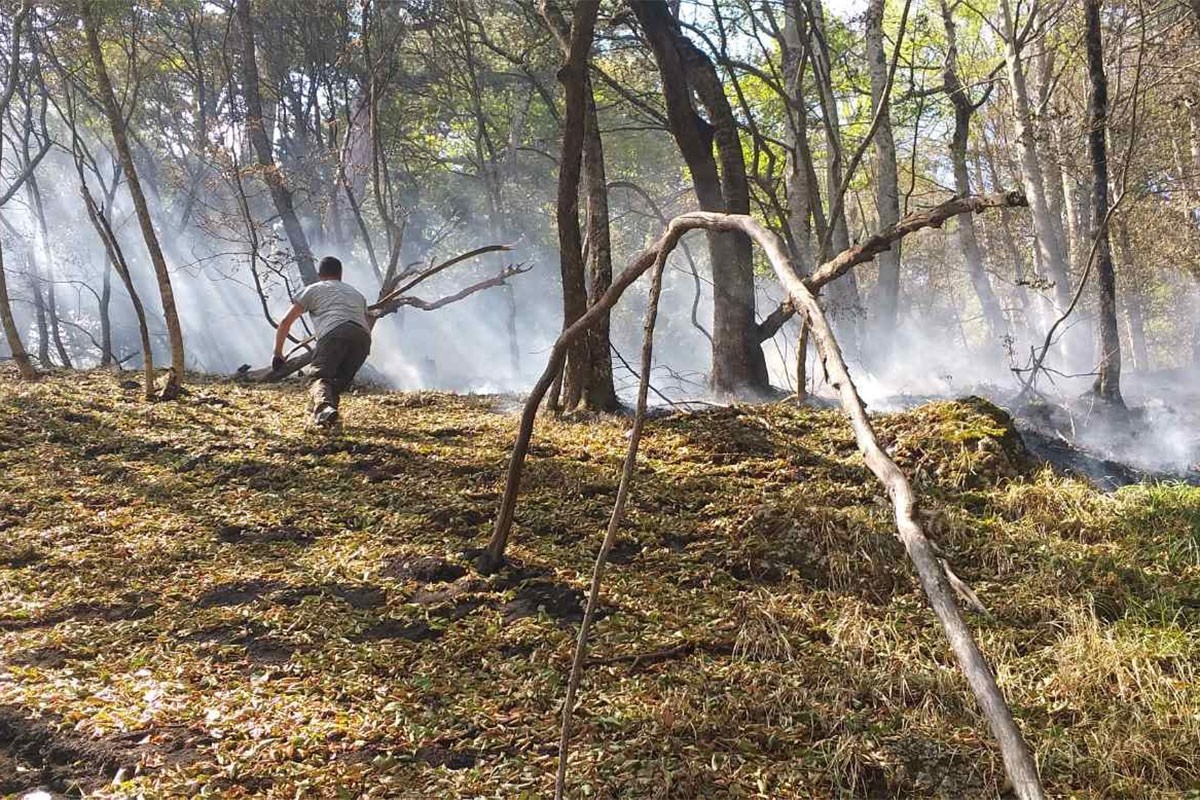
(498, 340)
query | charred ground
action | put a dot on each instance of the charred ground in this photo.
(206, 596)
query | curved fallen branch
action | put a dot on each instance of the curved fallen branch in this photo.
(1018, 759)
(614, 523)
(846, 260)
(493, 556)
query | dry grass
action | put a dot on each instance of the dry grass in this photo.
(206, 598)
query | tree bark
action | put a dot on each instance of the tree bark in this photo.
(739, 365)
(964, 109)
(11, 332)
(281, 195)
(598, 392)
(39, 311)
(588, 379)
(1046, 237)
(1108, 381)
(1134, 308)
(842, 304)
(1020, 297)
(799, 179)
(887, 188)
(799, 157)
(573, 76)
(45, 268)
(104, 306)
(116, 123)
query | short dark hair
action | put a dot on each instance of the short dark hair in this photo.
(330, 267)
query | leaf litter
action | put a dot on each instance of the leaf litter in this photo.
(205, 597)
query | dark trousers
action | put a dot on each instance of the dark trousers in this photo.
(339, 355)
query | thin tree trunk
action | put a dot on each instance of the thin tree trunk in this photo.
(842, 298)
(116, 257)
(799, 186)
(281, 196)
(614, 524)
(60, 348)
(11, 333)
(39, 311)
(1015, 257)
(117, 125)
(1108, 381)
(1134, 310)
(887, 189)
(46, 268)
(1050, 254)
(964, 109)
(106, 347)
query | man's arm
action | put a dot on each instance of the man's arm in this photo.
(281, 333)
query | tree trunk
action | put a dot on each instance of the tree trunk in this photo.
(1050, 254)
(106, 347)
(799, 156)
(573, 76)
(281, 196)
(1134, 310)
(738, 362)
(964, 109)
(39, 312)
(11, 332)
(1020, 299)
(1108, 381)
(887, 189)
(842, 300)
(46, 268)
(60, 348)
(117, 124)
(598, 392)
(798, 184)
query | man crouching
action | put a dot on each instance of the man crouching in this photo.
(339, 315)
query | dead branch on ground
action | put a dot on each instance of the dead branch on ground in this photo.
(1018, 760)
(614, 522)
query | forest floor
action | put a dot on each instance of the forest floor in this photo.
(205, 597)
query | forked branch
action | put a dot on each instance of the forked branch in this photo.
(1018, 759)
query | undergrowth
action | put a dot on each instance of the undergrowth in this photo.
(206, 598)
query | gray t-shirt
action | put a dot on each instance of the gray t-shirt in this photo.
(332, 303)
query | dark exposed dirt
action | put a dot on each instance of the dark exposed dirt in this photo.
(558, 600)
(236, 534)
(236, 594)
(425, 570)
(436, 755)
(35, 754)
(398, 629)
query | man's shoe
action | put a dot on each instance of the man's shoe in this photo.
(326, 417)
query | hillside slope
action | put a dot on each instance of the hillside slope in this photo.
(207, 597)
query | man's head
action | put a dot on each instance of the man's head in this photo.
(330, 269)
